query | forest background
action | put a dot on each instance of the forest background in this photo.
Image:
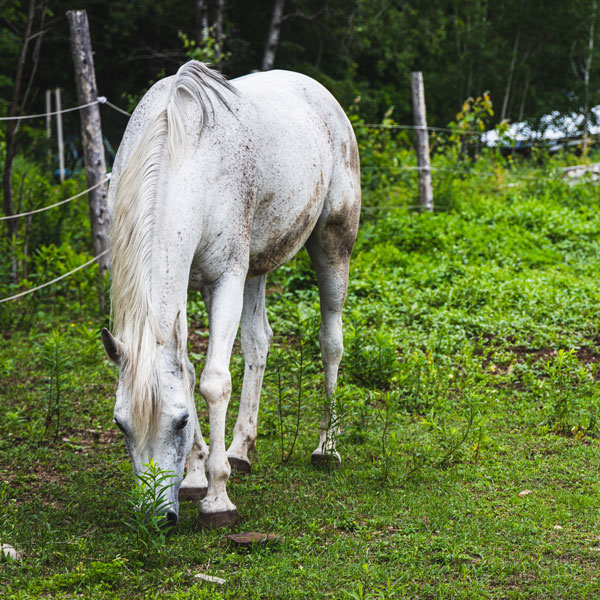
(533, 57)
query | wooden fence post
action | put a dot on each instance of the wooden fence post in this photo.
(420, 116)
(91, 132)
(59, 135)
(48, 116)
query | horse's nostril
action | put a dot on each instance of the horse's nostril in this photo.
(171, 518)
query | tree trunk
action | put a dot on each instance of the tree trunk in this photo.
(11, 129)
(201, 20)
(12, 126)
(218, 32)
(511, 74)
(524, 96)
(273, 36)
(91, 132)
(586, 79)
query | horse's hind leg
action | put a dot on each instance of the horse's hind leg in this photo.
(256, 338)
(329, 248)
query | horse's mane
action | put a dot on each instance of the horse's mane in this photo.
(131, 236)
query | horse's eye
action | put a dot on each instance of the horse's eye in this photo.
(118, 424)
(182, 423)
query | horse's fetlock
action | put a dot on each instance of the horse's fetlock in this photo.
(218, 471)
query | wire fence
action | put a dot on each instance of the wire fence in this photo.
(52, 113)
(39, 210)
(115, 107)
(418, 128)
(102, 100)
(64, 276)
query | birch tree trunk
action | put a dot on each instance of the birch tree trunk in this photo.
(201, 20)
(511, 74)
(218, 28)
(524, 96)
(268, 60)
(586, 79)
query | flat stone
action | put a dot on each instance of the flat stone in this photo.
(210, 578)
(9, 552)
(251, 538)
(226, 518)
(239, 465)
(192, 494)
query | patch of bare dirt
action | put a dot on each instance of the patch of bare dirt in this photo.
(198, 340)
(37, 478)
(589, 355)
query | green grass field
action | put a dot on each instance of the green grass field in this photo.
(470, 376)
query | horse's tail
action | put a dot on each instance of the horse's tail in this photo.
(163, 143)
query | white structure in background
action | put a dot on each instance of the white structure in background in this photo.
(558, 131)
(554, 126)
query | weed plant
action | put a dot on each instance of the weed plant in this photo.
(148, 504)
(57, 360)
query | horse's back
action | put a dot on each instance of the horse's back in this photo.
(274, 151)
(308, 162)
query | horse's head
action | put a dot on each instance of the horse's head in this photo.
(155, 411)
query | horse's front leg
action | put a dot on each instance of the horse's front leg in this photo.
(225, 308)
(194, 485)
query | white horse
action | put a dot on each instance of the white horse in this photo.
(216, 184)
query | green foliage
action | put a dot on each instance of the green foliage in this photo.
(95, 575)
(474, 118)
(570, 394)
(389, 439)
(371, 358)
(387, 158)
(207, 52)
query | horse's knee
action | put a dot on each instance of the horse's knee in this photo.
(332, 343)
(268, 332)
(255, 347)
(215, 384)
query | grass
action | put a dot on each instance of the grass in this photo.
(470, 376)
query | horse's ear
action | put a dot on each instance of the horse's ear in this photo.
(115, 349)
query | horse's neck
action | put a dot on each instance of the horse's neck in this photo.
(171, 258)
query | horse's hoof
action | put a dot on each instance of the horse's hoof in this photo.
(239, 464)
(226, 518)
(330, 461)
(191, 494)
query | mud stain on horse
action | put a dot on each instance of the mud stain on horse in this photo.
(278, 249)
(340, 228)
(351, 158)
